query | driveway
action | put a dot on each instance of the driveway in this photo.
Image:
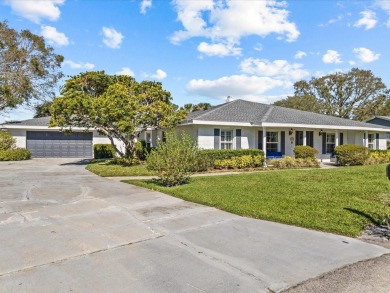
(63, 229)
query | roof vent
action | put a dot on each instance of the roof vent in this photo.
(229, 99)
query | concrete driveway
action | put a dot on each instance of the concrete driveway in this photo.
(63, 229)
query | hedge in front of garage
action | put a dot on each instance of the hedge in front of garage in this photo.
(15, 155)
(103, 151)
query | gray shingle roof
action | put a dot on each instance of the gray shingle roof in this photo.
(241, 111)
(42, 121)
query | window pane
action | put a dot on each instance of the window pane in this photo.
(272, 147)
(272, 137)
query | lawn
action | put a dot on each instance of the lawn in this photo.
(105, 169)
(342, 200)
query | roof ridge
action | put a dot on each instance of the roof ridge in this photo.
(217, 107)
(266, 115)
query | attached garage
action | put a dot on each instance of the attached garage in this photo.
(52, 144)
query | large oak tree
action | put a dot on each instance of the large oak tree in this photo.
(115, 105)
(356, 94)
(29, 70)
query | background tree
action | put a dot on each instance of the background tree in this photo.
(117, 106)
(195, 107)
(43, 110)
(357, 94)
(29, 70)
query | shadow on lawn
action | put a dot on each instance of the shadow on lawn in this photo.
(363, 214)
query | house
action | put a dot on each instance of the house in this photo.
(380, 120)
(237, 124)
(42, 141)
(242, 124)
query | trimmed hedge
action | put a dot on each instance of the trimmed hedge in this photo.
(103, 151)
(305, 151)
(290, 163)
(240, 162)
(207, 158)
(351, 155)
(15, 155)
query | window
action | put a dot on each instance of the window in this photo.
(310, 138)
(148, 140)
(330, 142)
(272, 142)
(298, 137)
(226, 139)
(371, 141)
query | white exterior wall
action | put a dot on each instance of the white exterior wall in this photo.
(20, 136)
(382, 143)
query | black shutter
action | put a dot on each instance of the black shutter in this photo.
(164, 138)
(283, 142)
(376, 141)
(260, 140)
(310, 138)
(238, 139)
(324, 143)
(217, 138)
(341, 138)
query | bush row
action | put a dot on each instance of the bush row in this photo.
(290, 163)
(207, 158)
(240, 162)
(103, 151)
(305, 151)
(15, 155)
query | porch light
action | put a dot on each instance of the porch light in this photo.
(321, 132)
(291, 131)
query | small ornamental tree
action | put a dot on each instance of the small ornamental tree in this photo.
(174, 159)
(115, 105)
(6, 141)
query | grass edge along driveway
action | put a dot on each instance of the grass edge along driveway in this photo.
(343, 200)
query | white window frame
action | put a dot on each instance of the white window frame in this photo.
(330, 143)
(225, 143)
(272, 142)
(371, 141)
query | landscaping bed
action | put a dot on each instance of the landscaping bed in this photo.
(343, 200)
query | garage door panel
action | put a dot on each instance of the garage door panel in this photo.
(59, 144)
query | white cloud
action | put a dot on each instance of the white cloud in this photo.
(126, 71)
(79, 65)
(365, 55)
(240, 86)
(112, 38)
(228, 21)
(352, 63)
(37, 9)
(53, 36)
(220, 50)
(385, 5)
(279, 69)
(145, 5)
(258, 47)
(331, 56)
(300, 55)
(368, 20)
(333, 20)
(160, 74)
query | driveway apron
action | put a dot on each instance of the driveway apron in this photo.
(64, 229)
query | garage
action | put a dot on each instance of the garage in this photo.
(55, 144)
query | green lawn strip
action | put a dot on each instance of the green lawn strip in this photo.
(105, 169)
(342, 201)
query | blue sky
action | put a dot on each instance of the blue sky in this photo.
(205, 50)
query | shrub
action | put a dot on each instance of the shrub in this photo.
(6, 141)
(240, 162)
(174, 159)
(382, 156)
(351, 155)
(125, 161)
(207, 158)
(15, 155)
(291, 163)
(103, 151)
(141, 150)
(305, 151)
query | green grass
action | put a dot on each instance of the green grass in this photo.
(342, 201)
(105, 169)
